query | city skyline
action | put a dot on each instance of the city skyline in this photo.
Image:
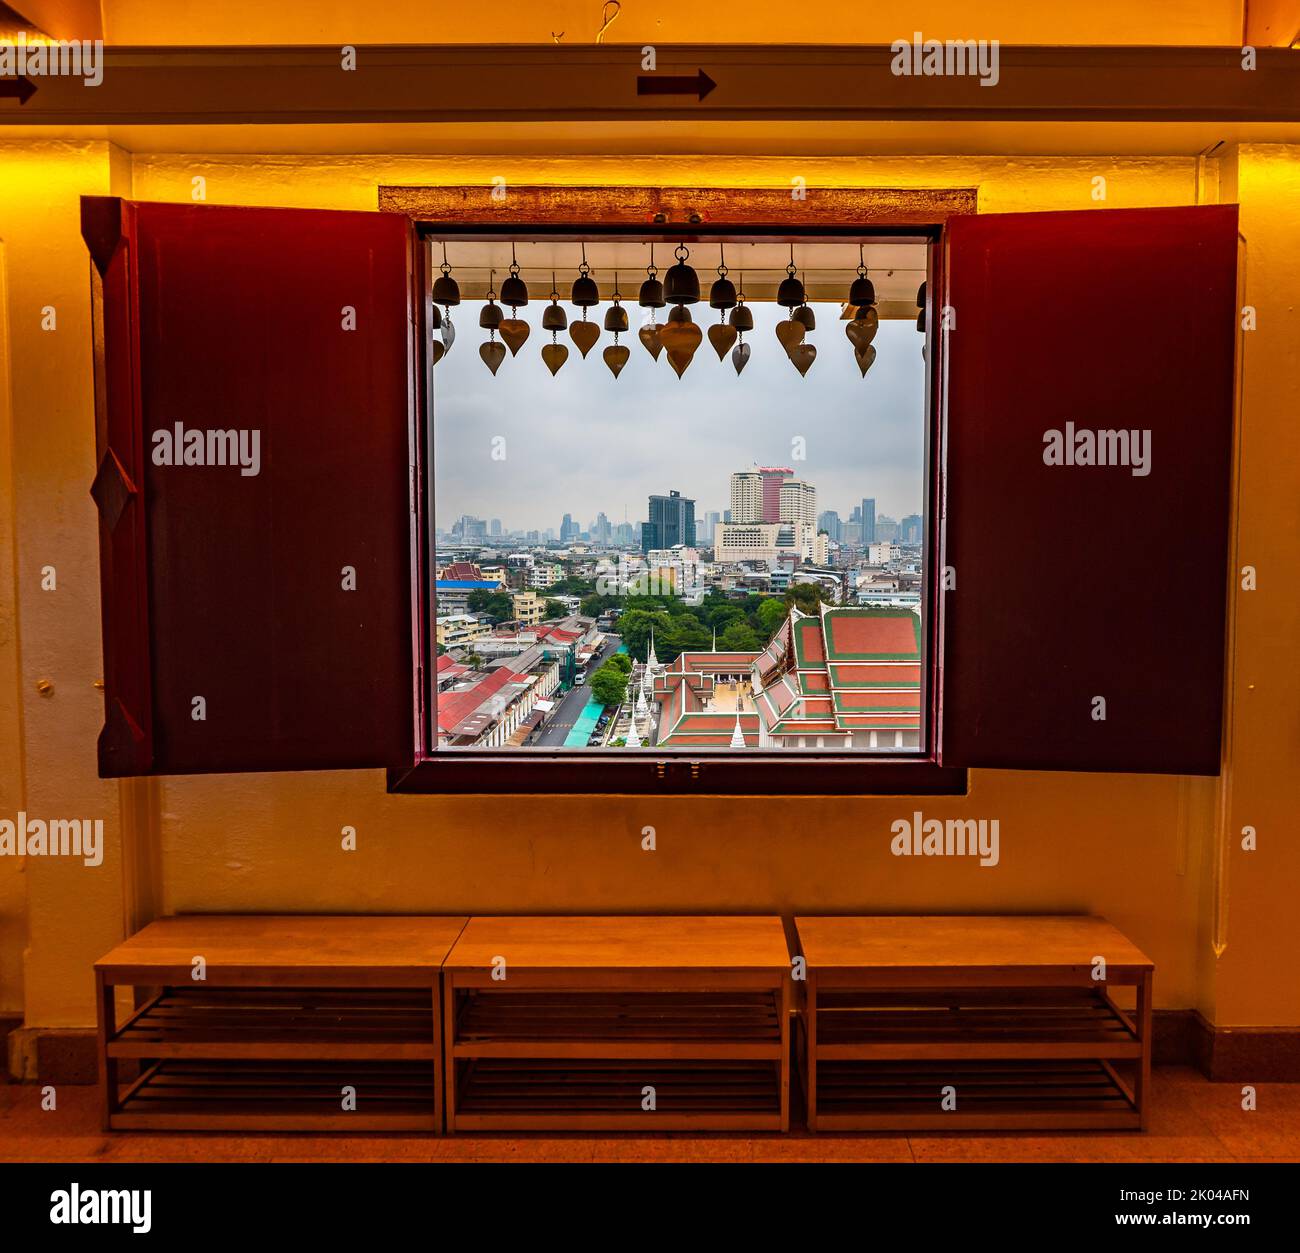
(648, 433)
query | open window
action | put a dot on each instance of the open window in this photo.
(344, 604)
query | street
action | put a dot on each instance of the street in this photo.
(571, 705)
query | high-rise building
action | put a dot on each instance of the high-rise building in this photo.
(601, 531)
(886, 529)
(830, 523)
(910, 529)
(671, 521)
(494, 528)
(867, 517)
(568, 529)
(797, 502)
(756, 494)
(711, 520)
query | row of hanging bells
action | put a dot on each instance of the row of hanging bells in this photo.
(678, 337)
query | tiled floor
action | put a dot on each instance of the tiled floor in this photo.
(1193, 1120)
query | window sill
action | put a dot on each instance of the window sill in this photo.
(762, 775)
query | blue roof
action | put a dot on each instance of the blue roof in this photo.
(472, 585)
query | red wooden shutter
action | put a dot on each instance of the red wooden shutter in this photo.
(1077, 582)
(223, 592)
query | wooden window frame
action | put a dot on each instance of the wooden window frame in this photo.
(689, 215)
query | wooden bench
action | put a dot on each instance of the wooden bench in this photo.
(652, 1023)
(1000, 1018)
(290, 1015)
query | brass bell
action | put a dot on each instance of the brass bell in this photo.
(435, 319)
(616, 318)
(920, 306)
(585, 292)
(805, 315)
(553, 317)
(863, 290)
(446, 291)
(681, 283)
(514, 291)
(742, 316)
(791, 293)
(722, 295)
(652, 290)
(489, 316)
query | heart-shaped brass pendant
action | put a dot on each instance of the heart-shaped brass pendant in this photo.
(584, 334)
(803, 355)
(448, 333)
(514, 331)
(790, 333)
(865, 356)
(740, 357)
(493, 354)
(555, 355)
(437, 351)
(722, 337)
(616, 356)
(649, 336)
(680, 340)
(861, 331)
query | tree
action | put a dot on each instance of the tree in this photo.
(594, 606)
(740, 637)
(806, 596)
(555, 609)
(609, 685)
(622, 661)
(496, 605)
(771, 613)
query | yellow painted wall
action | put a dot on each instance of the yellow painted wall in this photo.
(1137, 849)
(72, 909)
(650, 21)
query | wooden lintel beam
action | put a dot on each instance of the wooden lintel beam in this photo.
(149, 86)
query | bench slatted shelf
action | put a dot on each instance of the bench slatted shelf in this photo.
(1002, 1011)
(291, 1011)
(592, 1011)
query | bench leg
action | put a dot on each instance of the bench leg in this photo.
(1143, 1085)
(106, 1029)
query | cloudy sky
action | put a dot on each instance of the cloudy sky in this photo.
(584, 442)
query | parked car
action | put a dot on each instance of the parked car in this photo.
(581, 679)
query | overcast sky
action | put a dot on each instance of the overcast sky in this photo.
(584, 442)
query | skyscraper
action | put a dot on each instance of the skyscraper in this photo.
(756, 494)
(711, 520)
(568, 529)
(830, 523)
(868, 520)
(672, 521)
(797, 502)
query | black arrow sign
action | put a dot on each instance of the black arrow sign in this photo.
(698, 84)
(23, 88)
